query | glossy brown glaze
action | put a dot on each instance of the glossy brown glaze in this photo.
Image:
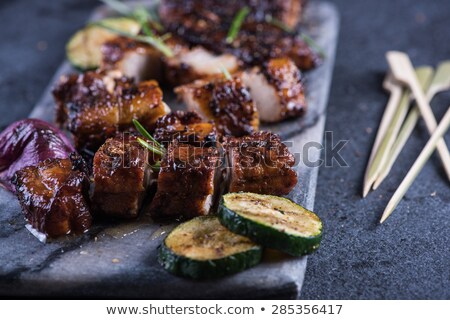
(185, 127)
(54, 196)
(122, 176)
(227, 102)
(95, 106)
(207, 23)
(259, 163)
(185, 182)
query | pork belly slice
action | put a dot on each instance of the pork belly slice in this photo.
(277, 90)
(132, 58)
(189, 64)
(185, 127)
(95, 106)
(259, 163)
(206, 24)
(54, 195)
(186, 182)
(226, 102)
(122, 176)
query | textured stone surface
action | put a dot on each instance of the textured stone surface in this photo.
(118, 259)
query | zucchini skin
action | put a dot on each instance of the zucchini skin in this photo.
(266, 236)
(208, 269)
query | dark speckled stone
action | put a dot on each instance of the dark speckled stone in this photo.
(119, 259)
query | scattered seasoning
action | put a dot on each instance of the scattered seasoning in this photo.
(115, 260)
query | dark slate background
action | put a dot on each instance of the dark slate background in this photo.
(408, 257)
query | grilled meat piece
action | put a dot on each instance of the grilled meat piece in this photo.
(206, 24)
(227, 102)
(189, 64)
(132, 58)
(186, 127)
(54, 195)
(173, 12)
(277, 90)
(122, 176)
(259, 163)
(95, 106)
(186, 182)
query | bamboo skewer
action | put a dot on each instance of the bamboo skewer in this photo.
(440, 82)
(395, 94)
(394, 125)
(418, 165)
(403, 71)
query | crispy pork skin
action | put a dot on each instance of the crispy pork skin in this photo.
(95, 106)
(259, 163)
(54, 195)
(277, 90)
(132, 58)
(122, 176)
(206, 24)
(227, 102)
(185, 127)
(186, 182)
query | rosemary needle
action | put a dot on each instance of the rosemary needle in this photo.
(237, 23)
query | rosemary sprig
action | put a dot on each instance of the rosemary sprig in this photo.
(310, 42)
(154, 41)
(140, 128)
(237, 23)
(150, 147)
(278, 23)
(225, 72)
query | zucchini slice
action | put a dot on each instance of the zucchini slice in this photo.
(273, 222)
(84, 47)
(202, 248)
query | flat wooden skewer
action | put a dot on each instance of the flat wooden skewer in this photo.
(394, 125)
(403, 71)
(418, 165)
(395, 91)
(440, 82)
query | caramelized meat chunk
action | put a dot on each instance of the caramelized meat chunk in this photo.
(122, 175)
(186, 127)
(186, 182)
(189, 64)
(227, 102)
(54, 195)
(277, 89)
(132, 58)
(259, 163)
(206, 24)
(95, 106)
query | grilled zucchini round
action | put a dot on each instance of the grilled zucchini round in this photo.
(273, 222)
(84, 47)
(202, 248)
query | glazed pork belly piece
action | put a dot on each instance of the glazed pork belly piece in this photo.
(122, 176)
(277, 90)
(185, 127)
(95, 106)
(227, 102)
(143, 62)
(54, 195)
(207, 23)
(132, 58)
(259, 163)
(186, 182)
(190, 64)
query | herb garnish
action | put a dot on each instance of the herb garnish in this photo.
(310, 42)
(236, 24)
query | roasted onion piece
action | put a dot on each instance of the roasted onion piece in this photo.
(27, 142)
